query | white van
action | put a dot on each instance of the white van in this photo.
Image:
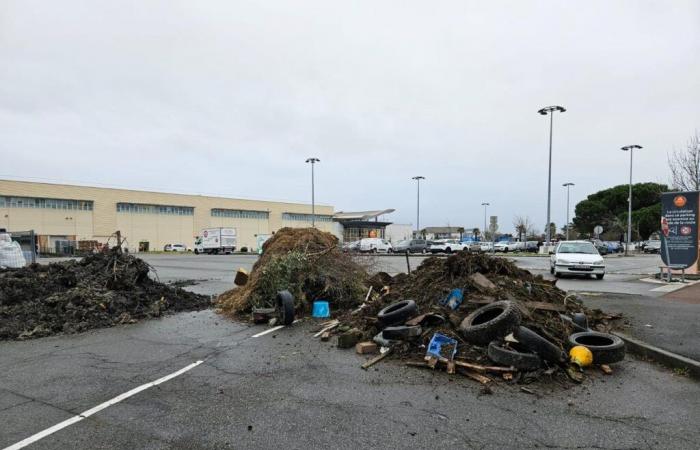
(375, 245)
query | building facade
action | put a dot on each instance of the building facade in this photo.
(59, 213)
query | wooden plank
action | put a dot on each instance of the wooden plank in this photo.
(375, 360)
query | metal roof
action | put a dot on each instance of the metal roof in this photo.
(361, 215)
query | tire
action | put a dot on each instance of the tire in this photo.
(581, 320)
(557, 274)
(374, 250)
(551, 270)
(401, 333)
(424, 251)
(391, 250)
(510, 357)
(599, 276)
(285, 305)
(448, 250)
(490, 322)
(397, 312)
(505, 250)
(539, 345)
(606, 348)
(196, 252)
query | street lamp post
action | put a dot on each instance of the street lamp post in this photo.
(313, 161)
(544, 111)
(629, 148)
(418, 178)
(484, 231)
(567, 186)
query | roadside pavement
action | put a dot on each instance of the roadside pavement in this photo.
(669, 322)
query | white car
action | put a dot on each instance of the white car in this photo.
(375, 245)
(486, 247)
(506, 247)
(175, 248)
(446, 246)
(576, 258)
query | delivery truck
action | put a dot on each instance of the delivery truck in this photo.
(213, 241)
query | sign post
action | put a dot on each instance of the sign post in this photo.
(679, 230)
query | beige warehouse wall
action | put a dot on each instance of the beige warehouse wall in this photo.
(158, 229)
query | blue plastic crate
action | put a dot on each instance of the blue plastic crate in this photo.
(321, 309)
(436, 343)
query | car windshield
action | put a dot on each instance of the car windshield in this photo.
(577, 247)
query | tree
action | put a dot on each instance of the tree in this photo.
(552, 230)
(608, 208)
(685, 166)
(522, 226)
(476, 232)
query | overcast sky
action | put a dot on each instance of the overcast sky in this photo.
(230, 97)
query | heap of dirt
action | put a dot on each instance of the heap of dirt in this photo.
(483, 279)
(307, 262)
(100, 290)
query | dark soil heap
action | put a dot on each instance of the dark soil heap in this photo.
(100, 290)
(307, 262)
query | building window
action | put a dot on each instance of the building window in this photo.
(138, 208)
(297, 217)
(240, 214)
(45, 203)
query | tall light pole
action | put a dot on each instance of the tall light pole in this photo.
(544, 111)
(313, 161)
(418, 178)
(484, 205)
(629, 148)
(567, 186)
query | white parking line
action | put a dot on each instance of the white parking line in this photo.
(268, 331)
(42, 434)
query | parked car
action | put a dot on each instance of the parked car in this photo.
(175, 248)
(576, 258)
(532, 247)
(508, 246)
(472, 246)
(353, 246)
(412, 246)
(486, 246)
(615, 247)
(375, 245)
(600, 246)
(653, 246)
(446, 246)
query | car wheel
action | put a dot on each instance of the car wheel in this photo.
(196, 252)
(505, 250)
(391, 250)
(600, 276)
(425, 251)
(490, 322)
(557, 274)
(448, 250)
(512, 357)
(551, 270)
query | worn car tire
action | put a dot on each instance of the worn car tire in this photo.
(401, 332)
(490, 322)
(521, 360)
(285, 306)
(539, 345)
(600, 276)
(606, 348)
(397, 312)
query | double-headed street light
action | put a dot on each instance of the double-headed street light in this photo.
(313, 161)
(567, 186)
(544, 111)
(629, 148)
(418, 178)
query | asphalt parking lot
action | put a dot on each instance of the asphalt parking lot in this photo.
(245, 388)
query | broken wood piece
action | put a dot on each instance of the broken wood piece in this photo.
(527, 390)
(508, 376)
(451, 367)
(432, 361)
(475, 376)
(326, 336)
(363, 348)
(606, 369)
(545, 306)
(480, 368)
(328, 328)
(376, 359)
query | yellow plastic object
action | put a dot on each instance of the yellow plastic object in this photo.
(581, 356)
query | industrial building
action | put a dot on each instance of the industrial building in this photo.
(59, 213)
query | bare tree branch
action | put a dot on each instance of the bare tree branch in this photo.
(685, 166)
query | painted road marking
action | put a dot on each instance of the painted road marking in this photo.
(98, 408)
(273, 329)
(268, 331)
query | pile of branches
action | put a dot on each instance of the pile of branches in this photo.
(100, 290)
(307, 262)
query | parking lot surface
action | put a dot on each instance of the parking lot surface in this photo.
(247, 388)
(288, 390)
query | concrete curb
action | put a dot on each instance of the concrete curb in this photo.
(662, 356)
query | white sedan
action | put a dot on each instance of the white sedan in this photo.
(446, 246)
(576, 258)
